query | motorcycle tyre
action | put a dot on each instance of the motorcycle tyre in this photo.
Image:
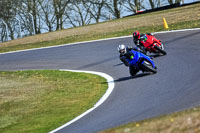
(133, 71)
(148, 67)
(160, 50)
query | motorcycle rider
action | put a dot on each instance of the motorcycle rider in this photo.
(125, 53)
(138, 38)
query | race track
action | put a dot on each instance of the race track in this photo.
(175, 86)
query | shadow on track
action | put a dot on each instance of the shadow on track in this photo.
(118, 64)
(132, 77)
(155, 55)
(129, 77)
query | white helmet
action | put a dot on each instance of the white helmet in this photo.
(122, 49)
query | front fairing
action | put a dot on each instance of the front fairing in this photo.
(139, 58)
(150, 42)
(134, 61)
(147, 40)
(147, 58)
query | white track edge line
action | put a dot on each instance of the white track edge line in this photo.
(111, 85)
(68, 44)
(171, 31)
(161, 32)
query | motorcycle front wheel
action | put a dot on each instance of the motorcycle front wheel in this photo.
(148, 67)
(133, 71)
(160, 50)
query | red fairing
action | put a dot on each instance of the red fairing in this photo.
(150, 42)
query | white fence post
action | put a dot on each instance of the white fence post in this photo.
(20, 29)
(32, 23)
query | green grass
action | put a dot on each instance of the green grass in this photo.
(187, 121)
(40, 101)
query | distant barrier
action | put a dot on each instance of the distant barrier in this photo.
(162, 8)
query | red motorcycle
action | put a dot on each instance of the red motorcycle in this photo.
(152, 44)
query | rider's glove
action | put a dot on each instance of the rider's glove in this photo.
(123, 59)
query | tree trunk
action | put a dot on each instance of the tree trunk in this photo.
(116, 10)
(151, 4)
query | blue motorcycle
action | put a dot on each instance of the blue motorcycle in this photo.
(140, 62)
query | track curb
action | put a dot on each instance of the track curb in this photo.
(111, 85)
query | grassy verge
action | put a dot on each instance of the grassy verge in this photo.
(40, 101)
(187, 121)
(177, 18)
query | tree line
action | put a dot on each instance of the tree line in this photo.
(27, 17)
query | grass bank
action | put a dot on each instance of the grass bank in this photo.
(187, 121)
(40, 101)
(177, 18)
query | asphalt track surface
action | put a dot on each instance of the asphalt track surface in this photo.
(175, 87)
